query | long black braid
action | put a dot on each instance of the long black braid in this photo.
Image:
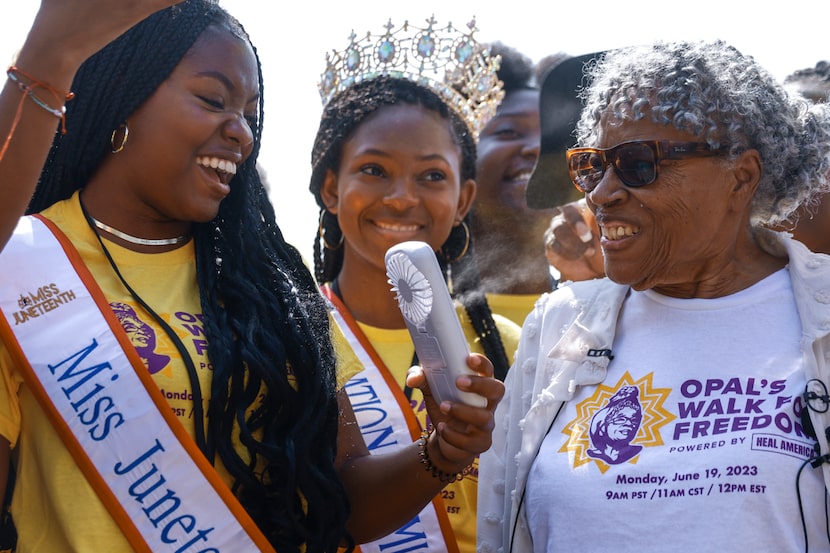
(266, 324)
(341, 118)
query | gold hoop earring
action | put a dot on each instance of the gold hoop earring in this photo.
(466, 245)
(322, 232)
(124, 136)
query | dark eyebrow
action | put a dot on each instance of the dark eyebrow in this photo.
(383, 153)
(221, 77)
(513, 112)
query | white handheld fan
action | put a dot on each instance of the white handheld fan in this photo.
(430, 316)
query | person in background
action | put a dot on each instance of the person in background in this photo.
(508, 234)
(810, 224)
(168, 378)
(570, 237)
(394, 161)
(811, 82)
(688, 390)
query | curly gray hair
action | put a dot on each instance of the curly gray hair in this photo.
(711, 90)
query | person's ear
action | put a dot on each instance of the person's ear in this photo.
(329, 193)
(746, 171)
(466, 196)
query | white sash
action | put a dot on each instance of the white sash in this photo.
(386, 420)
(88, 378)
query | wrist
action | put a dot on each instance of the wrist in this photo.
(434, 462)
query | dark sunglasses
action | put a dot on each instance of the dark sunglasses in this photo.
(634, 162)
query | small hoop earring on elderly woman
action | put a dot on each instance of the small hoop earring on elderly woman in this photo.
(122, 132)
(448, 255)
(323, 232)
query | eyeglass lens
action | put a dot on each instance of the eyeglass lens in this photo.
(634, 163)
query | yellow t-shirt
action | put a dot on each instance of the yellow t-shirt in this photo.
(395, 348)
(515, 307)
(54, 507)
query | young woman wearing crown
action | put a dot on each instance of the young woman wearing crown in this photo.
(394, 160)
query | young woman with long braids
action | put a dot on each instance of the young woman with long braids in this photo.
(393, 161)
(167, 373)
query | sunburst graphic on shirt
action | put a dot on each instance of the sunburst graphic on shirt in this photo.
(616, 424)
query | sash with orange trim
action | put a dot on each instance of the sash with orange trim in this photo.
(386, 420)
(79, 363)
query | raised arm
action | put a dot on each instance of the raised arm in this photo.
(63, 34)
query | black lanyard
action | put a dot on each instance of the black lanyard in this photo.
(203, 440)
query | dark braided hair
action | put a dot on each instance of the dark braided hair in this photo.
(266, 323)
(341, 118)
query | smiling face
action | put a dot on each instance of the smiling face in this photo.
(398, 179)
(507, 150)
(681, 231)
(185, 142)
(622, 423)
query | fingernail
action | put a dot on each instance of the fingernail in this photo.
(464, 381)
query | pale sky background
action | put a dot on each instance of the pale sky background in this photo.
(292, 37)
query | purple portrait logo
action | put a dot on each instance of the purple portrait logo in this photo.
(615, 426)
(142, 336)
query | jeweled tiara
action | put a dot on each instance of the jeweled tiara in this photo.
(449, 61)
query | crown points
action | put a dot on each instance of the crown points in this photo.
(448, 61)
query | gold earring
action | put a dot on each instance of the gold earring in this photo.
(124, 131)
(464, 249)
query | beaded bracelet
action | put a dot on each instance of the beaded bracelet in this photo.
(14, 73)
(423, 452)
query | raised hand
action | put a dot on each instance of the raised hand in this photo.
(572, 243)
(63, 35)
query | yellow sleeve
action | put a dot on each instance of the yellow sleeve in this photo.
(510, 333)
(10, 382)
(348, 364)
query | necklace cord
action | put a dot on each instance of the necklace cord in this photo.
(203, 440)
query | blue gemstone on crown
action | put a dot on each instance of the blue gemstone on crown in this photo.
(353, 60)
(464, 52)
(426, 46)
(386, 51)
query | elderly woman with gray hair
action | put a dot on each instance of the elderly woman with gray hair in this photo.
(686, 153)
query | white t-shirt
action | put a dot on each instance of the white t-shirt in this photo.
(694, 440)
